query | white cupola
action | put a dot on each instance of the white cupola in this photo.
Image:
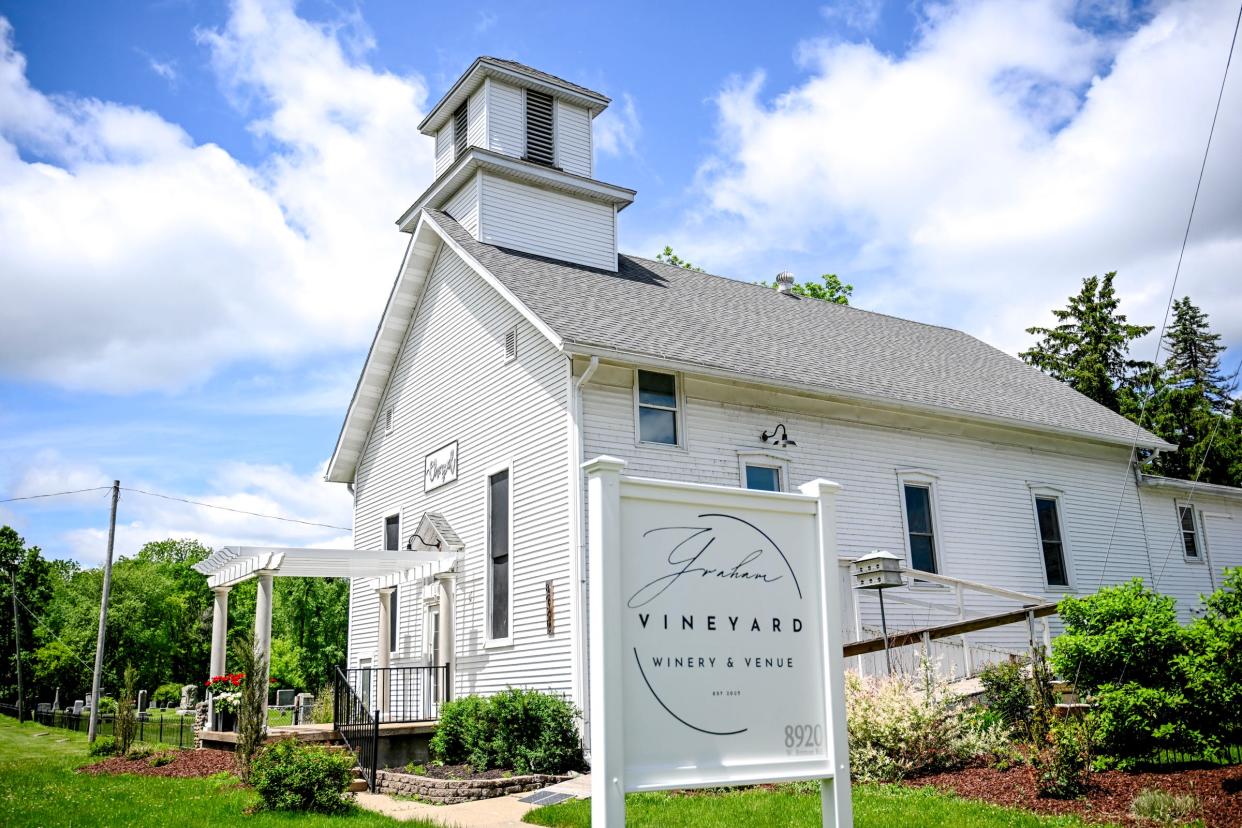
(515, 166)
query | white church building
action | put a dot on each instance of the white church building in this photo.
(518, 343)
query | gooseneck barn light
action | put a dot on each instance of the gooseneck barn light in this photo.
(781, 441)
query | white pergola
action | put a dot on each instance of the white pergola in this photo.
(432, 551)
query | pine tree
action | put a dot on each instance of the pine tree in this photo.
(1194, 354)
(1089, 348)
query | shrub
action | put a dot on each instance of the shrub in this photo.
(102, 746)
(1134, 721)
(1120, 631)
(1163, 807)
(1061, 765)
(107, 705)
(159, 760)
(166, 694)
(901, 727)
(138, 750)
(294, 776)
(125, 725)
(251, 721)
(1211, 667)
(1006, 690)
(523, 730)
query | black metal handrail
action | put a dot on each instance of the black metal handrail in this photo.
(358, 727)
(401, 694)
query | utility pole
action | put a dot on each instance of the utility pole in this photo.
(103, 615)
(17, 644)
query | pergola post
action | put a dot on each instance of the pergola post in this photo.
(384, 647)
(263, 629)
(219, 630)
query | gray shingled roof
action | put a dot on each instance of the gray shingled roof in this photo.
(532, 72)
(667, 312)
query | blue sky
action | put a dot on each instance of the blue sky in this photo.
(196, 200)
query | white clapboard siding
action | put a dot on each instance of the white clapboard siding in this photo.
(573, 139)
(506, 119)
(444, 147)
(548, 223)
(1223, 528)
(985, 523)
(451, 382)
(476, 118)
(464, 206)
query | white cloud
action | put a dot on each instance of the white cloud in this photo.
(977, 179)
(136, 258)
(166, 69)
(617, 128)
(859, 15)
(264, 489)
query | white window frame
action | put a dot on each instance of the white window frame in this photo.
(678, 413)
(394, 620)
(768, 460)
(1196, 518)
(1043, 490)
(929, 480)
(489, 642)
(394, 512)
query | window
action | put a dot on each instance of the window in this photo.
(433, 652)
(1050, 539)
(394, 612)
(919, 527)
(460, 127)
(392, 532)
(498, 554)
(539, 146)
(1190, 537)
(763, 478)
(657, 408)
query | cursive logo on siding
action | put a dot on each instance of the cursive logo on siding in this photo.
(440, 467)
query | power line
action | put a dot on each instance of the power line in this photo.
(238, 511)
(55, 494)
(44, 624)
(1138, 425)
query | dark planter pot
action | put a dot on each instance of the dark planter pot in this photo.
(224, 722)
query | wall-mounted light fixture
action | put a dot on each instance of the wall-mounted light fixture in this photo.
(781, 441)
(410, 543)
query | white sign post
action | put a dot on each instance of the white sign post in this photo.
(715, 640)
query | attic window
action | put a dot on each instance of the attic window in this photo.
(511, 344)
(539, 148)
(460, 126)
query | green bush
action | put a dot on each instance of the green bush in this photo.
(523, 730)
(1133, 721)
(159, 760)
(1061, 765)
(1164, 808)
(166, 694)
(138, 750)
(1119, 632)
(102, 746)
(1006, 691)
(295, 776)
(1211, 667)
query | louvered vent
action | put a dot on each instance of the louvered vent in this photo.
(460, 126)
(539, 128)
(388, 419)
(511, 345)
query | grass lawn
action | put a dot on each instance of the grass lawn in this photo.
(38, 788)
(875, 806)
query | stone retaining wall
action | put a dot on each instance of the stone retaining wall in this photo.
(453, 791)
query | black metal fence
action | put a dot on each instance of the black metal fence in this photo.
(156, 727)
(1231, 755)
(357, 726)
(400, 694)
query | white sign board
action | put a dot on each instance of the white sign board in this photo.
(440, 467)
(715, 648)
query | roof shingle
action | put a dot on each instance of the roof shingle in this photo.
(667, 312)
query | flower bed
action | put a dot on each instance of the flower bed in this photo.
(202, 762)
(1109, 794)
(453, 791)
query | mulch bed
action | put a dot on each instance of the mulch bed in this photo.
(464, 772)
(203, 762)
(1219, 791)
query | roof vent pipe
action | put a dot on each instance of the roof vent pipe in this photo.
(784, 281)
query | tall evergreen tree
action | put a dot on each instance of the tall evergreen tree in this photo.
(1194, 354)
(1089, 348)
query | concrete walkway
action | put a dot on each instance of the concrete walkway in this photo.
(504, 811)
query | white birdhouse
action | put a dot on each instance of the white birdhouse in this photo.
(877, 570)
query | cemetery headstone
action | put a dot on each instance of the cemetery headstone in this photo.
(142, 700)
(187, 696)
(303, 707)
(284, 698)
(78, 706)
